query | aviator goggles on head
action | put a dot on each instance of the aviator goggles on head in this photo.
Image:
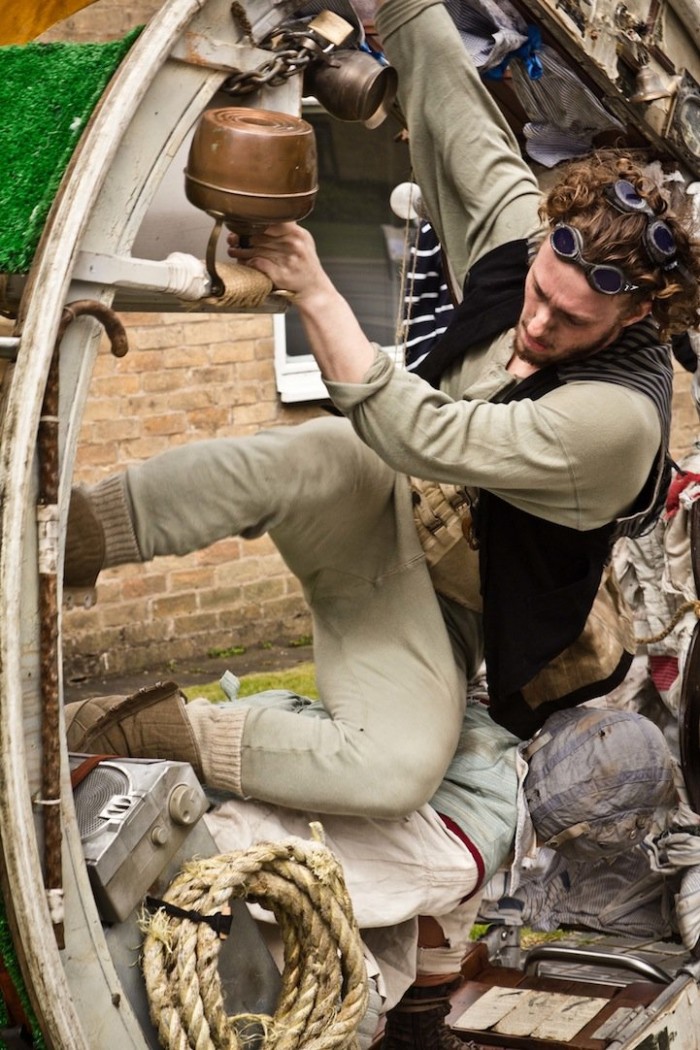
(659, 242)
(567, 244)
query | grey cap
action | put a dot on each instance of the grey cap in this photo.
(595, 779)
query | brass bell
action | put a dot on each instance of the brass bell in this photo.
(650, 85)
(352, 85)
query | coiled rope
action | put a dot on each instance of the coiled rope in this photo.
(693, 604)
(324, 993)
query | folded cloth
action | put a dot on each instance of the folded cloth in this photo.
(599, 780)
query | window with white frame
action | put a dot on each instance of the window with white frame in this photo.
(359, 240)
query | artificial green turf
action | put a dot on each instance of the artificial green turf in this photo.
(47, 95)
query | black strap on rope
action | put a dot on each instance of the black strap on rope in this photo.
(220, 922)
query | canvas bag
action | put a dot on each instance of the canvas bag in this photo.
(443, 518)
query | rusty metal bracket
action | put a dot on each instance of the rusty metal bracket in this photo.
(48, 542)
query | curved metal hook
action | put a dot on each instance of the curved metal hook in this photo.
(116, 333)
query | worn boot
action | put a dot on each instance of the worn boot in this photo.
(151, 723)
(417, 1022)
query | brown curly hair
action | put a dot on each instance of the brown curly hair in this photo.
(616, 238)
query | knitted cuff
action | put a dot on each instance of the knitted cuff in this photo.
(111, 504)
(218, 730)
(84, 555)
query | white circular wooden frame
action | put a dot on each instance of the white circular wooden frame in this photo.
(162, 86)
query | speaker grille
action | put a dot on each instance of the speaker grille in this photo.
(93, 795)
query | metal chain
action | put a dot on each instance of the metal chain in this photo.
(292, 51)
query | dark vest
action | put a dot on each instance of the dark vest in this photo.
(539, 580)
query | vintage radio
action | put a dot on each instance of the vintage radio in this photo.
(133, 816)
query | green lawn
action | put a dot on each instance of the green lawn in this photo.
(300, 679)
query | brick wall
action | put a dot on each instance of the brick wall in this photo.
(187, 376)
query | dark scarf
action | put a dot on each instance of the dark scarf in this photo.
(493, 299)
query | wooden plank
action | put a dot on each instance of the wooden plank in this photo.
(629, 998)
(490, 1008)
(519, 1018)
(522, 1012)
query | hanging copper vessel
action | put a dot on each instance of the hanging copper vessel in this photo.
(252, 167)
